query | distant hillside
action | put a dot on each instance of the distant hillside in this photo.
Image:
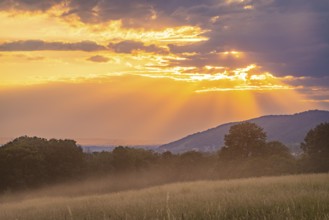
(92, 149)
(289, 129)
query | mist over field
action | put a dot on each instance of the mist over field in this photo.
(56, 179)
(125, 109)
(287, 197)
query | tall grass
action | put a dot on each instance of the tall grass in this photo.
(286, 197)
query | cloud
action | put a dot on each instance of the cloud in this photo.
(38, 45)
(98, 59)
(129, 46)
(122, 47)
(32, 5)
(31, 58)
(286, 37)
(130, 12)
(313, 89)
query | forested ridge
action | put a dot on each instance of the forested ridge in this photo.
(31, 162)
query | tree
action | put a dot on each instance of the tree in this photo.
(316, 147)
(191, 158)
(278, 149)
(131, 159)
(244, 140)
(64, 159)
(21, 163)
(31, 161)
(99, 163)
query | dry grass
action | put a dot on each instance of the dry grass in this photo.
(286, 197)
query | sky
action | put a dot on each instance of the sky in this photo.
(130, 72)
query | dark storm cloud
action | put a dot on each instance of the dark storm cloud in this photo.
(129, 46)
(37, 45)
(32, 5)
(129, 11)
(285, 37)
(315, 89)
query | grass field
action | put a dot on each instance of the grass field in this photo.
(287, 197)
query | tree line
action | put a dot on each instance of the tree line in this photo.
(30, 162)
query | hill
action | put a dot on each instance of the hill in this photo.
(96, 148)
(284, 197)
(288, 129)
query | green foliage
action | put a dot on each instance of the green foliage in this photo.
(120, 160)
(130, 159)
(21, 163)
(194, 165)
(191, 158)
(248, 140)
(316, 147)
(64, 159)
(245, 140)
(30, 161)
(278, 149)
(248, 154)
(99, 163)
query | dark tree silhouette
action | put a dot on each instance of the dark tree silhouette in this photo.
(278, 149)
(130, 159)
(244, 140)
(31, 161)
(316, 147)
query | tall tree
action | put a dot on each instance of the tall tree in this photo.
(316, 147)
(244, 140)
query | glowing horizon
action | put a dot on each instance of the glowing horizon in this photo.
(149, 71)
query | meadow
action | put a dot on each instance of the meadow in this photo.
(283, 197)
